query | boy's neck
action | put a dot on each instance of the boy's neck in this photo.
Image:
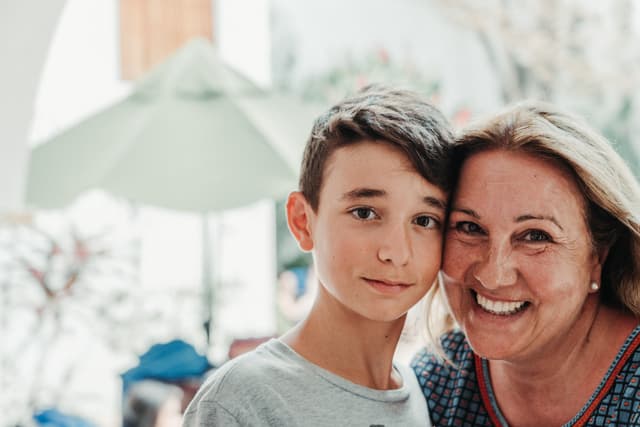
(347, 344)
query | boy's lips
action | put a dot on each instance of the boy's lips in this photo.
(387, 286)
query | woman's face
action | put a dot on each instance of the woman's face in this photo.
(518, 260)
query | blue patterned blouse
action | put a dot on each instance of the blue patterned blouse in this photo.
(464, 396)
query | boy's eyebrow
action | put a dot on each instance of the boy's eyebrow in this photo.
(364, 193)
(360, 193)
(435, 202)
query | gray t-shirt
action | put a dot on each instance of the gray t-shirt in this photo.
(275, 386)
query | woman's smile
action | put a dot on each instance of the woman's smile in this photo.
(499, 307)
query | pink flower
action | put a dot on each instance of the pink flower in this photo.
(361, 81)
(81, 251)
(383, 55)
(461, 117)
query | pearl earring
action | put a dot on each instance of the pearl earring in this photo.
(594, 286)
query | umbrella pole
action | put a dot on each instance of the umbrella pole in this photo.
(207, 286)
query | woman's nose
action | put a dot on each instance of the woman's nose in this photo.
(497, 267)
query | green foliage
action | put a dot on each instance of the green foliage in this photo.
(353, 73)
(618, 130)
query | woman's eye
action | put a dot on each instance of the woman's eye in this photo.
(364, 213)
(536, 236)
(468, 227)
(426, 221)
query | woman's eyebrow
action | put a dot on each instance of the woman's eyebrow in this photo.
(467, 211)
(551, 218)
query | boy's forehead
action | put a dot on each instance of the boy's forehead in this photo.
(367, 165)
(357, 152)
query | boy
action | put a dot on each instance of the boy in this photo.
(371, 209)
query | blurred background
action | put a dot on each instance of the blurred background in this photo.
(147, 146)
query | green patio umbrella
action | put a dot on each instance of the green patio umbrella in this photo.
(193, 135)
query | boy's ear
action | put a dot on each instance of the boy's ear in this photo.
(299, 221)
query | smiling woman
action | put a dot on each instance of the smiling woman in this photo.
(519, 256)
(541, 271)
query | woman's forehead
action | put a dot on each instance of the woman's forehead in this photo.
(501, 177)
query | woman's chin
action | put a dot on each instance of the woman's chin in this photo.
(492, 343)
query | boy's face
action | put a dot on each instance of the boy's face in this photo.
(377, 234)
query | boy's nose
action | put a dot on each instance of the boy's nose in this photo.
(496, 268)
(395, 247)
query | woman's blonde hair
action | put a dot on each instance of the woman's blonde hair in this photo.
(610, 190)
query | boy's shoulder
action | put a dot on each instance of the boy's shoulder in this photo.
(246, 372)
(240, 390)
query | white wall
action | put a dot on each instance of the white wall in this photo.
(319, 35)
(81, 74)
(242, 30)
(25, 33)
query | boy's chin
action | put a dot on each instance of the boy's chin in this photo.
(385, 317)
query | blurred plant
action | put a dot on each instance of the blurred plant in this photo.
(54, 288)
(581, 55)
(354, 73)
(375, 66)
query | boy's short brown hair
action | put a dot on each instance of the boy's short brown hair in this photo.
(397, 117)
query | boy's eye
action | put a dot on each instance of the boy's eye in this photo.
(426, 221)
(536, 236)
(468, 227)
(364, 213)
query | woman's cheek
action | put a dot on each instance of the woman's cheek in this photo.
(455, 259)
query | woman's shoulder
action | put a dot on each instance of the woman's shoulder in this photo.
(626, 366)
(449, 382)
(617, 399)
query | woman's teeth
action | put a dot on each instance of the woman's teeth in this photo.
(502, 308)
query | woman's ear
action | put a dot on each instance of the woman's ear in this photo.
(299, 214)
(600, 256)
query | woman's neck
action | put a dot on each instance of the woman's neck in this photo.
(551, 388)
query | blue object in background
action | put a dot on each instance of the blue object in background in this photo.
(54, 418)
(173, 361)
(301, 280)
